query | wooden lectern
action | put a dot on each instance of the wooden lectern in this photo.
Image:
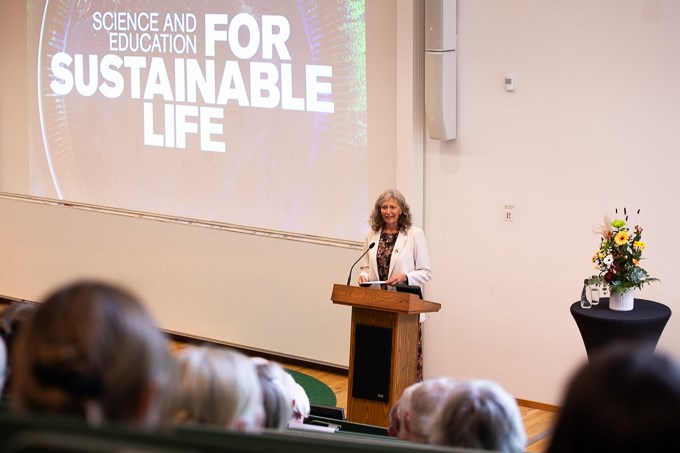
(383, 355)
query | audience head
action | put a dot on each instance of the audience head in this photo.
(299, 399)
(626, 399)
(4, 366)
(11, 319)
(403, 408)
(301, 404)
(218, 386)
(394, 422)
(278, 400)
(92, 350)
(481, 415)
(425, 399)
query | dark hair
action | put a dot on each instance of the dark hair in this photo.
(376, 221)
(626, 399)
(12, 319)
(89, 344)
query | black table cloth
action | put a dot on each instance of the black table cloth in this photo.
(600, 326)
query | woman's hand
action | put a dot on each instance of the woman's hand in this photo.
(362, 279)
(397, 279)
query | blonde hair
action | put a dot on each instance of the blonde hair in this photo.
(218, 386)
(92, 350)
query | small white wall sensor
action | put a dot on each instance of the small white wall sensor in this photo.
(510, 82)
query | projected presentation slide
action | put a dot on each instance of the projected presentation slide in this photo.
(249, 113)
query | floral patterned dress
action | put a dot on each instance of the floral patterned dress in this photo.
(385, 247)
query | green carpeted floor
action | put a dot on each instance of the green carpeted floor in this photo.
(318, 392)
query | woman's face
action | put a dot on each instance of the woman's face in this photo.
(390, 211)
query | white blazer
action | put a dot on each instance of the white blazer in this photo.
(409, 257)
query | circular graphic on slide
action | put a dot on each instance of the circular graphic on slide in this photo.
(247, 113)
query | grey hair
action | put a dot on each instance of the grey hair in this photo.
(405, 220)
(277, 397)
(479, 414)
(403, 408)
(425, 400)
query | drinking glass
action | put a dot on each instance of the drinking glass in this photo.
(594, 294)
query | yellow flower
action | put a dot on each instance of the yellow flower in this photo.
(621, 237)
(639, 244)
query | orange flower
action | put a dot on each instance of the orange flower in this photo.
(621, 237)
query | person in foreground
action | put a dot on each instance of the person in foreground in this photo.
(479, 414)
(12, 319)
(4, 366)
(400, 253)
(425, 399)
(218, 386)
(92, 350)
(400, 413)
(278, 397)
(626, 399)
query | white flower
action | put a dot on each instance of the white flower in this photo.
(608, 260)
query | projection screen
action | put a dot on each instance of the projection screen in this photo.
(245, 113)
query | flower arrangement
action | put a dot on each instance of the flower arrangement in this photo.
(618, 259)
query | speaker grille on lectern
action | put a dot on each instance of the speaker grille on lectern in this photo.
(372, 362)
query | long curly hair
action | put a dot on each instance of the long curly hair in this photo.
(376, 221)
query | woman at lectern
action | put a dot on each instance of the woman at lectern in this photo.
(400, 251)
(397, 252)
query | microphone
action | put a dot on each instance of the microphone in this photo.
(349, 277)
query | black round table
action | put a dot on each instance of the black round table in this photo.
(600, 326)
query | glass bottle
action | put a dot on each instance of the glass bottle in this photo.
(585, 303)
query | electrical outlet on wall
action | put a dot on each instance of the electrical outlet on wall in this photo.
(509, 212)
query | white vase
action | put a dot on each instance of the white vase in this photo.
(623, 301)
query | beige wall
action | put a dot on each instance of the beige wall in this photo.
(593, 125)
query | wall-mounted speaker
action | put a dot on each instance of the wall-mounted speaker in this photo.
(440, 25)
(440, 94)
